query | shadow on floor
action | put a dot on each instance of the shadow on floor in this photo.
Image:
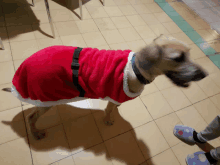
(50, 142)
(20, 12)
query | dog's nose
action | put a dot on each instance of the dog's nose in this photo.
(199, 75)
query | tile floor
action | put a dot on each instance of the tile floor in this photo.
(76, 135)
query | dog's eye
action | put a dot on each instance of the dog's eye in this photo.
(181, 58)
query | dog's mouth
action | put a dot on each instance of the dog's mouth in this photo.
(176, 80)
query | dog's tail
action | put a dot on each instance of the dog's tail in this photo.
(7, 89)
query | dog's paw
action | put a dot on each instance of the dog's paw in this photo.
(108, 121)
(39, 135)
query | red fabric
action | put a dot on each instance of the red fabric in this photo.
(42, 76)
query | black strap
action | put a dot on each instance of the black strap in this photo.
(75, 69)
(138, 73)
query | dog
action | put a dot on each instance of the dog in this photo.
(116, 76)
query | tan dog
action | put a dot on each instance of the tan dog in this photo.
(164, 55)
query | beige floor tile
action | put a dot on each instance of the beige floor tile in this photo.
(46, 42)
(113, 11)
(166, 125)
(216, 77)
(129, 34)
(159, 29)
(76, 13)
(56, 6)
(82, 133)
(73, 40)
(121, 22)
(94, 155)
(97, 12)
(93, 3)
(162, 82)
(20, 33)
(190, 117)
(12, 125)
(141, 9)
(136, 20)
(127, 9)
(194, 24)
(4, 34)
(205, 35)
(6, 72)
(163, 17)
(208, 86)
(110, 3)
(136, 45)
(126, 144)
(194, 93)
(165, 158)
(156, 110)
(23, 49)
(172, 27)
(94, 39)
(17, 63)
(176, 98)
(121, 2)
(66, 161)
(207, 110)
(68, 28)
(48, 120)
(149, 40)
(150, 140)
(149, 88)
(105, 24)
(145, 32)
(121, 46)
(103, 47)
(70, 112)
(135, 112)
(120, 125)
(195, 52)
(15, 152)
(50, 149)
(216, 100)
(7, 100)
(46, 31)
(6, 54)
(215, 45)
(215, 34)
(182, 150)
(154, 7)
(41, 17)
(207, 64)
(61, 15)
(113, 36)
(134, 2)
(182, 37)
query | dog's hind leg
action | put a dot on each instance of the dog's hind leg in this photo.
(109, 117)
(32, 119)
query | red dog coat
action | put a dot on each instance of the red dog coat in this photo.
(43, 77)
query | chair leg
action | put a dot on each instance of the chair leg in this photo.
(49, 17)
(103, 2)
(80, 6)
(1, 43)
(33, 3)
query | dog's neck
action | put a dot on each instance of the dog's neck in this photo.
(135, 85)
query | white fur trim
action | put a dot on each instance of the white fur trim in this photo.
(125, 79)
(39, 103)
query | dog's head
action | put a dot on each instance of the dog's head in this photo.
(168, 56)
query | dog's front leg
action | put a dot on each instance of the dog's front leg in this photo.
(109, 116)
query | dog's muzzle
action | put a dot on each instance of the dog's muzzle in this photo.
(182, 80)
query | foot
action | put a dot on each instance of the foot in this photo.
(198, 158)
(108, 121)
(38, 135)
